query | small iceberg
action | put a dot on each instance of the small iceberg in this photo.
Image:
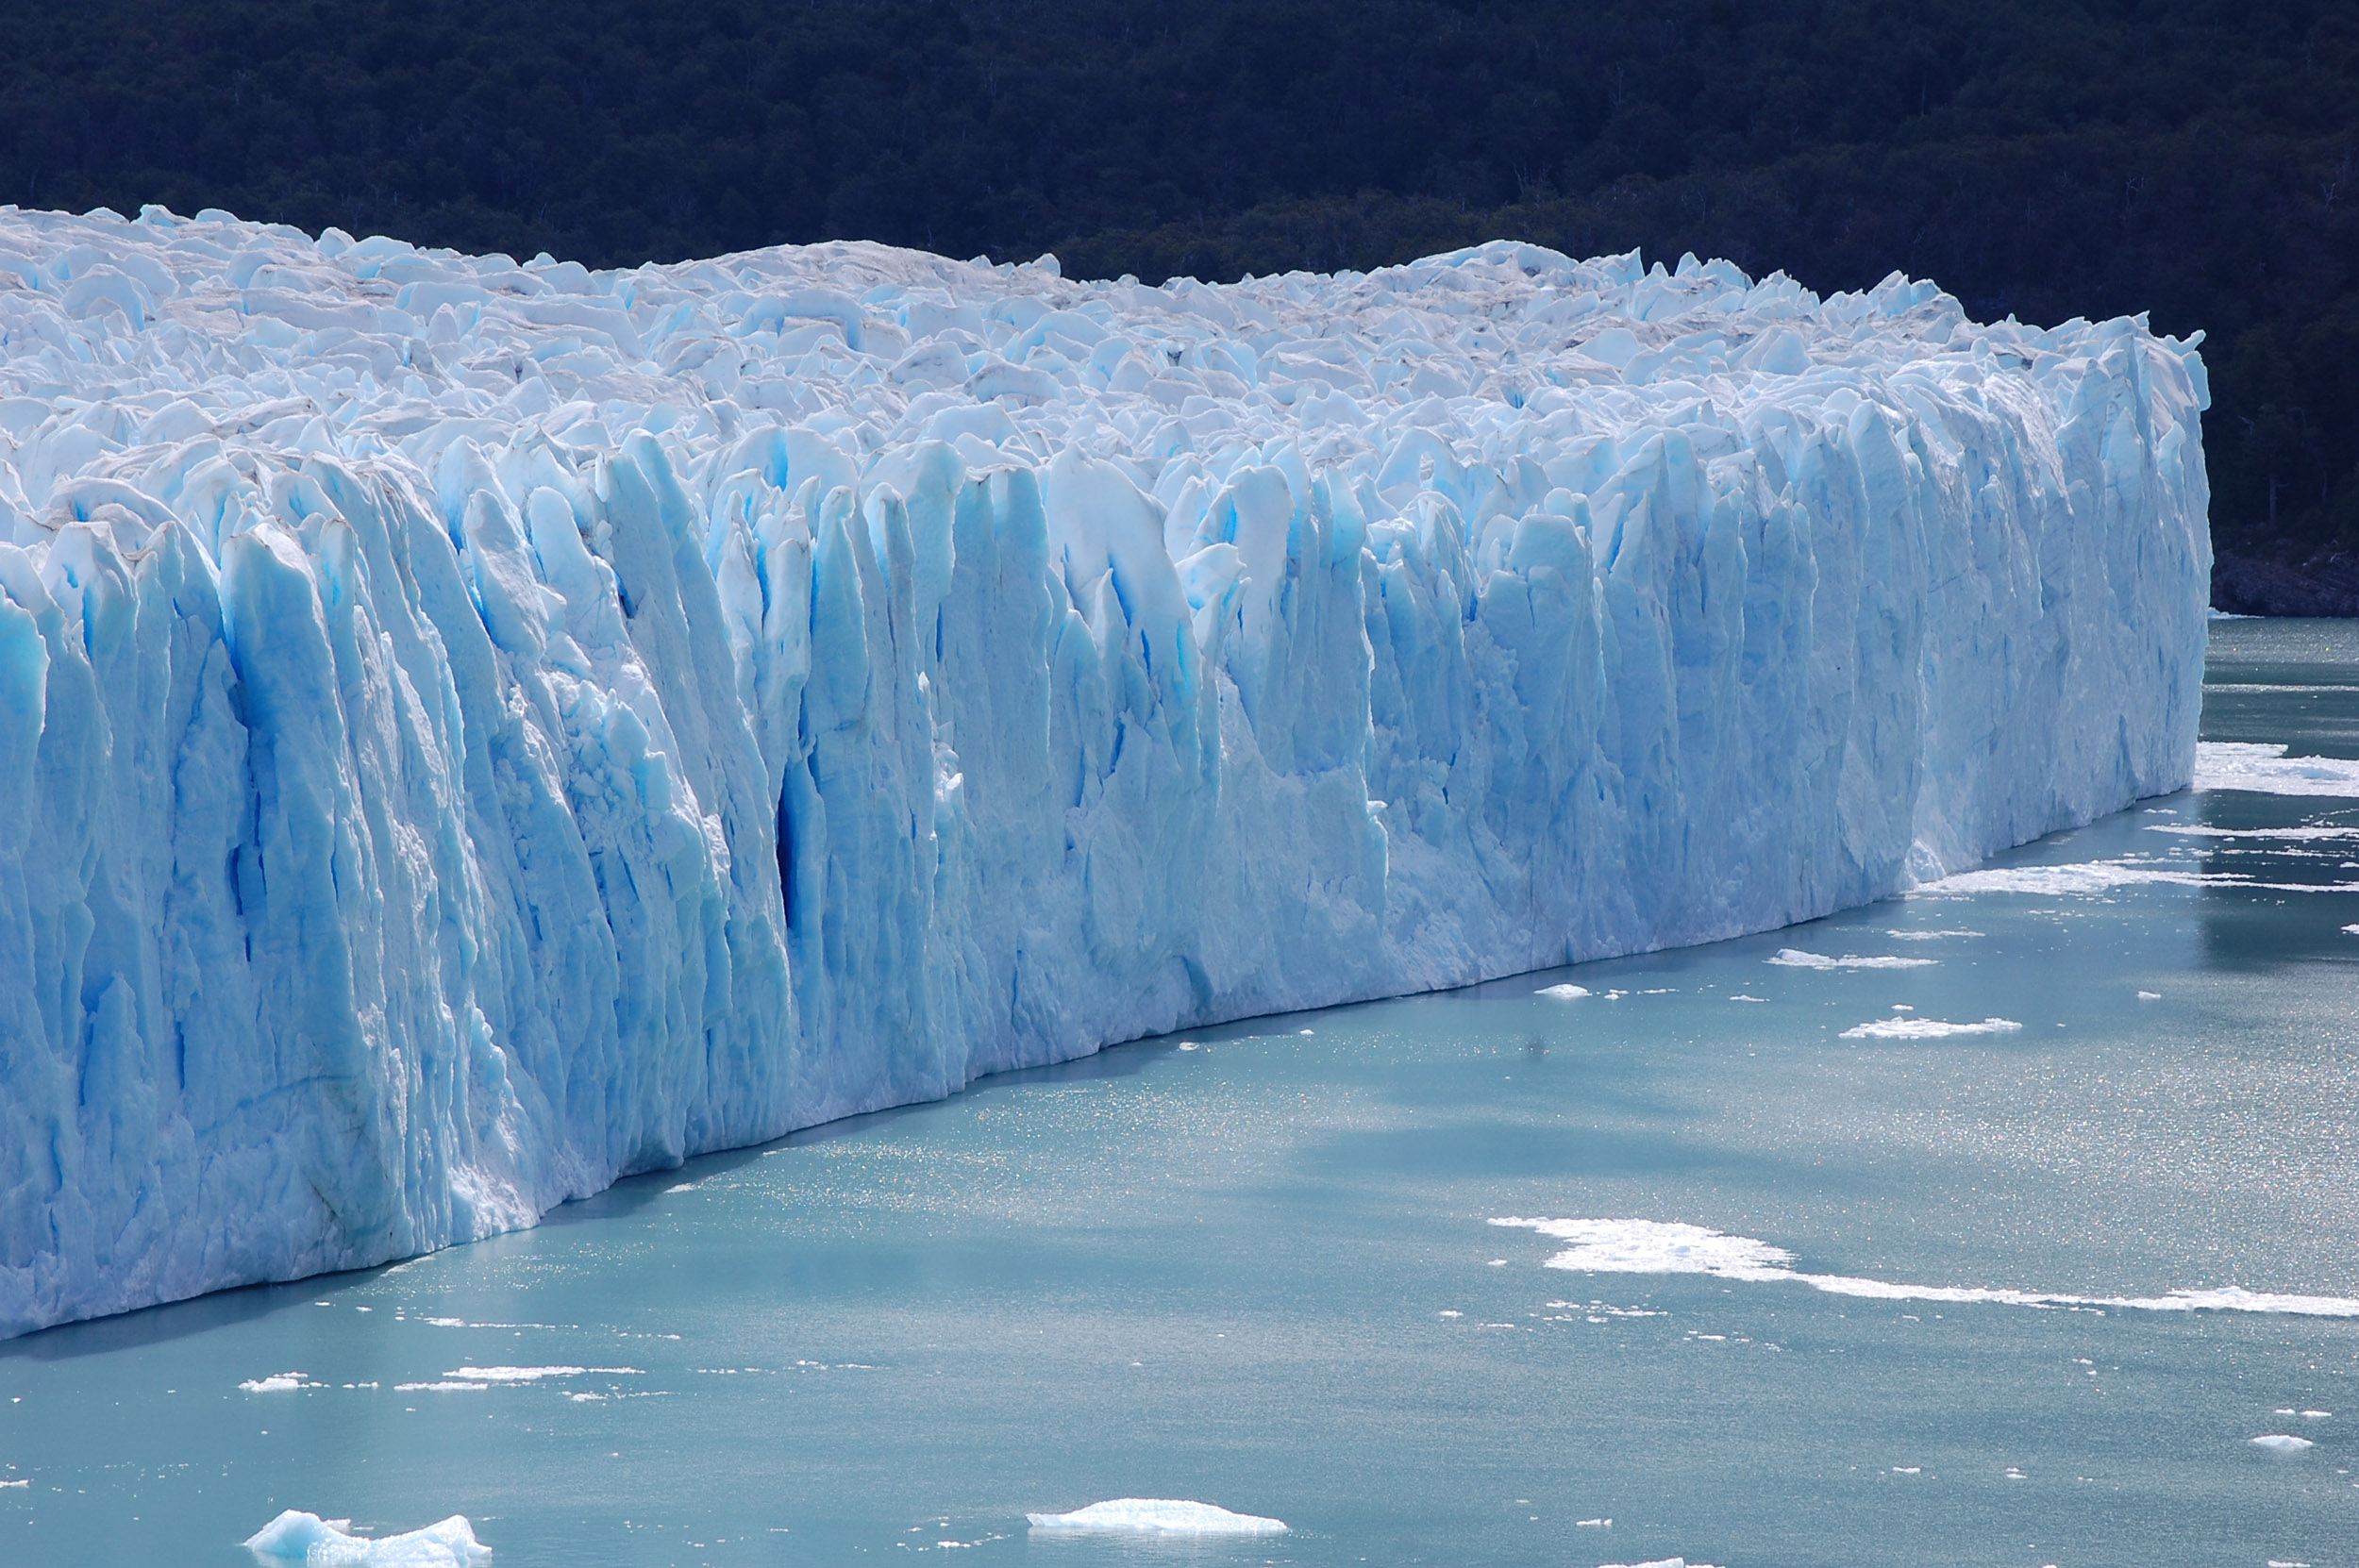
(1794, 957)
(1926, 1028)
(1158, 1514)
(2283, 1443)
(1566, 993)
(316, 1542)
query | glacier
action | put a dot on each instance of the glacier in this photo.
(471, 730)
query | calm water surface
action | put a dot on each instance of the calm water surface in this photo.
(1254, 1266)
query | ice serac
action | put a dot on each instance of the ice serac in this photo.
(470, 730)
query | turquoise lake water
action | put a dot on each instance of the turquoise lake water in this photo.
(1254, 1265)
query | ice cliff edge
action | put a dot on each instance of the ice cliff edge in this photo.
(471, 730)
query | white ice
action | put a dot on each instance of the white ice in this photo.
(1567, 992)
(2267, 770)
(532, 1373)
(1794, 957)
(1158, 1515)
(470, 730)
(2283, 1443)
(1658, 1246)
(316, 1542)
(1926, 1028)
(2094, 878)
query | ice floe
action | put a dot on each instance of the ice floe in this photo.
(1926, 1028)
(1158, 1515)
(295, 1537)
(1794, 957)
(1675, 1247)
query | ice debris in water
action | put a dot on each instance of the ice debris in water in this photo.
(1567, 992)
(1158, 1514)
(279, 1382)
(1926, 1028)
(2264, 769)
(316, 1542)
(470, 728)
(1794, 957)
(2283, 1443)
(1660, 1246)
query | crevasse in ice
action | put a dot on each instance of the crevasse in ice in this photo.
(469, 730)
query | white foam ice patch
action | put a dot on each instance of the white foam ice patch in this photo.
(1158, 1515)
(535, 1374)
(279, 1382)
(1935, 935)
(2093, 878)
(1662, 1246)
(1794, 957)
(1567, 992)
(2283, 1443)
(316, 1542)
(787, 620)
(2264, 769)
(443, 1385)
(1926, 1028)
(1658, 1562)
(2303, 833)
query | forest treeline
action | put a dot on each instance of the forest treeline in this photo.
(2193, 159)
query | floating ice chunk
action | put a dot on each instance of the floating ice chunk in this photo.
(2082, 879)
(445, 1386)
(1658, 1562)
(2149, 995)
(2351, 930)
(1565, 993)
(279, 1382)
(535, 1374)
(1158, 1514)
(1594, 1524)
(2283, 1443)
(1930, 935)
(2317, 1415)
(1794, 957)
(316, 1542)
(2264, 769)
(1655, 1246)
(1926, 1028)
(1670, 1246)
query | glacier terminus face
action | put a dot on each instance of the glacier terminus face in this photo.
(471, 730)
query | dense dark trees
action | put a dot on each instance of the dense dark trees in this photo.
(2049, 157)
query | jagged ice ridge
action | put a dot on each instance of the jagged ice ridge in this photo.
(472, 731)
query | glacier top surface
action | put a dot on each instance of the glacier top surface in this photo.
(166, 334)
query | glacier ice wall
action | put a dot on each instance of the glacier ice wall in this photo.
(471, 730)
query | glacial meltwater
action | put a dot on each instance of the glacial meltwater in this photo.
(2012, 1222)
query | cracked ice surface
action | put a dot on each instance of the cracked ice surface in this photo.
(472, 731)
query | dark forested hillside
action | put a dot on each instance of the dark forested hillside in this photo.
(2190, 157)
